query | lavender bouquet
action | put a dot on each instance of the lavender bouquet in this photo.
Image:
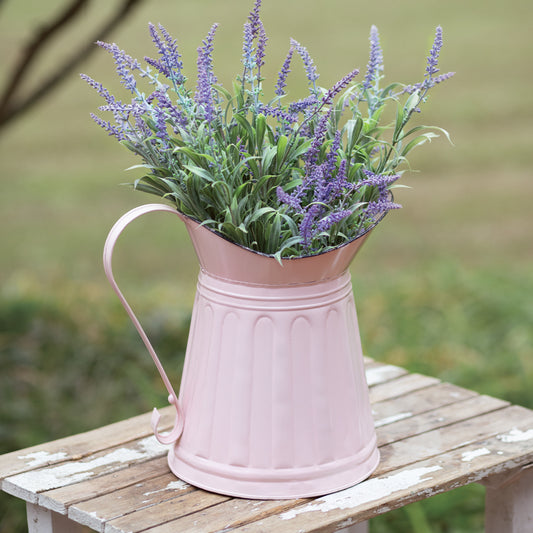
(288, 178)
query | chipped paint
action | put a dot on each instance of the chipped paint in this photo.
(383, 373)
(173, 485)
(368, 491)
(516, 435)
(391, 419)
(74, 472)
(469, 456)
(42, 458)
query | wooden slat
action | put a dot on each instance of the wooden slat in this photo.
(226, 516)
(28, 485)
(377, 373)
(190, 502)
(75, 447)
(449, 437)
(60, 499)
(400, 386)
(438, 418)
(97, 511)
(474, 462)
(416, 402)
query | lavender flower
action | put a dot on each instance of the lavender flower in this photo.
(248, 59)
(99, 88)
(332, 218)
(206, 78)
(288, 117)
(433, 58)
(261, 45)
(338, 87)
(283, 73)
(293, 201)
(176, 115)
(254, 19)
(319, 134)
(301, 105)
(110, 128)
(170, 64)
(380, 206)
(307, 232)
(430, 80)
(375, 61)
(124, 65)
(310, 68)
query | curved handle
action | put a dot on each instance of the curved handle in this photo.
(111, 240)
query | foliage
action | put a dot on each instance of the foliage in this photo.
(287, 178)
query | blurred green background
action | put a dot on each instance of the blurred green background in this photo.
(444, 286)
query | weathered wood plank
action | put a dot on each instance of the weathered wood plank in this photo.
(77, 446)
(417, 402)
(226, 516)
(197, 501)
(400, 386)
(28, 485)
(381, 493)
(60, 499)
(449, 437)
(142, 495)
(381, 373)
(438, 418)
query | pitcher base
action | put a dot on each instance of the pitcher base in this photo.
(274, 484)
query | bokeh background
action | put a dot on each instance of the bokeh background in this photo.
(444, 286)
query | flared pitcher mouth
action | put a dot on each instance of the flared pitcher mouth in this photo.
(333, 249)
(226, 260)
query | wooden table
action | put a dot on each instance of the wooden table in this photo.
(433, 437)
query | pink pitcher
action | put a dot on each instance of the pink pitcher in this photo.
(273, 400)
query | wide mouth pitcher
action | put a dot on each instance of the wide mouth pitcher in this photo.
(273, 401)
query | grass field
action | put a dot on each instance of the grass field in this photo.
(444, 286)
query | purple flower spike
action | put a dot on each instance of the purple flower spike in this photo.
(433, 58)
(339, 86)
(253, 18)
(248, 48)
(170, 64)
(310, 68)
(261, 45)
(382, 205)
(375, 62)
(206, 78)
(331, 219)
(124, 65)
(283, 73)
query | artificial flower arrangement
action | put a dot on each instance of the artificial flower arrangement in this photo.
(287, 178)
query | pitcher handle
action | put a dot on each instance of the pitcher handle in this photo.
(111, 240)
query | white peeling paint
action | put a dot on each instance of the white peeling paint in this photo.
(517, 435)
(173, 485)
(469, 456)
(365, 492)
(391, 419)
(383, 373)
(42, 458)
(76, 471)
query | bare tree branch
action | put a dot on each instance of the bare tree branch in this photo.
(35, 47)
(10, 108)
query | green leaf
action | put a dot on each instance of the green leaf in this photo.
(281, 149)
(201, 172)
(249, 132)
(260, 127)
